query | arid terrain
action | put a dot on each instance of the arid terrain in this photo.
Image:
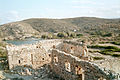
(101, 36)
(36, 27)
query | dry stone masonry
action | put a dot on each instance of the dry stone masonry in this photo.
(34, 55)
(70, 60)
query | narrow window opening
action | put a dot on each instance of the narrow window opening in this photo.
(72, 50)
(54, 46)
(67, 66)
(55, 59)
(19, 61)
(32, 58)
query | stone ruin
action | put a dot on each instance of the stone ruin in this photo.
(68, 59)
(34, 55)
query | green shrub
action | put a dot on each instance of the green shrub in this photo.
(116, 55)
(93, 51)
(3, 53)
(44, 36)
(73, 35)
(79, 35)
(105, 47)
(95, 46)
(62, 35)
(107, 35)
(49, 36)
(107, 50)
(116, 43)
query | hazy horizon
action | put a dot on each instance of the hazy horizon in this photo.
(55, 18)
(15, 10)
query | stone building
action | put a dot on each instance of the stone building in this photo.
(74, 48)
(70, 60)
(69, 66)
(34, 55)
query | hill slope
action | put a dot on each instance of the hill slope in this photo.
(36, 26)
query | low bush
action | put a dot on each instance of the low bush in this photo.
(107, 35)
(116, 43)
(79, 35)
(98, 58)
(62, 35)
(3, 53)
(106, 52)
(93, 51)
(105, 47)
(116, 55)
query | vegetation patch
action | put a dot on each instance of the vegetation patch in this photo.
(3, 53)
(93, 51)
(107, 50)
(101, 33)
(62, 35)
(116, 55)
(114, 42)
(98, 58)
(105, 47)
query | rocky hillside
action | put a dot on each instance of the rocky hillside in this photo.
(35, 26)
(91, 24)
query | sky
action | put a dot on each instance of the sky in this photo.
(16, 10)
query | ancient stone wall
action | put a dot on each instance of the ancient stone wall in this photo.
(48, 44)
(70, 67)
(34, 55)
(74, 48)
(67, 59)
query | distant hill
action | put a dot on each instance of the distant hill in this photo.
(36, 26)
